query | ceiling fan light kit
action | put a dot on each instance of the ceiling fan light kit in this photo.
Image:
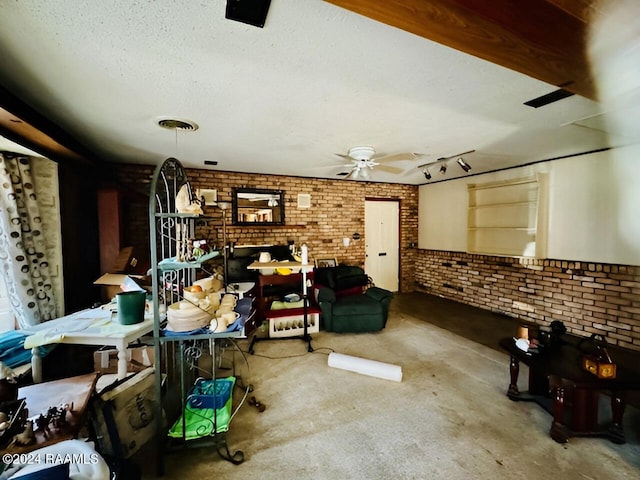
(362, 153)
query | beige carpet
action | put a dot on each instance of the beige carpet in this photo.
(449, 418)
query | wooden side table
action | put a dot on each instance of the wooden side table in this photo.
(559, 384)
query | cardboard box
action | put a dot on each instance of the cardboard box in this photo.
(125, 262)
(105, 360)
(113, 283)
(124, 417)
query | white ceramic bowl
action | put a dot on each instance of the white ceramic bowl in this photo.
(205, 283)
(193, 297)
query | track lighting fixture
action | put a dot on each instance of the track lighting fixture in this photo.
(464, 165)
(441, 164)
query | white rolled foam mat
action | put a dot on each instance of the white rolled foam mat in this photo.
(364, 366)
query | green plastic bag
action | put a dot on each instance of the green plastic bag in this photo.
(200, 422)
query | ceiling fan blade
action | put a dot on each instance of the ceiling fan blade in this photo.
(389, 169)
(352, 173)
(398, 157)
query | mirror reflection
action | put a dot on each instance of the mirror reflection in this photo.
(258, 206)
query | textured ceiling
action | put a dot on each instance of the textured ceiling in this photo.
(283, 99)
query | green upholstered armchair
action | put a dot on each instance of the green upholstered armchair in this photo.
(353, 312)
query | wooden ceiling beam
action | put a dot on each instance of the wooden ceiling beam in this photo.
(24, 126)
(584, 10)
(544, 39)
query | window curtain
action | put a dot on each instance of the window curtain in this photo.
(23, 259)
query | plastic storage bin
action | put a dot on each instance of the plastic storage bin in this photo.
(210, 393)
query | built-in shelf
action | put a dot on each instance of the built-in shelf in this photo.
(525, 229)
(508, 217)
(500, 205)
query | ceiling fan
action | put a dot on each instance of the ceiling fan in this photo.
(363, 159)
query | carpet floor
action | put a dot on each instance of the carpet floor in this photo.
(448, 418)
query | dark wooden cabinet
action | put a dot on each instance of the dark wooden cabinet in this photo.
(274, 287)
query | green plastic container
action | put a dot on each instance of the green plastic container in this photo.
(130, 307)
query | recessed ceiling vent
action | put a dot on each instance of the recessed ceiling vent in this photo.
(175, 124)
(252, 12)
(552, 97)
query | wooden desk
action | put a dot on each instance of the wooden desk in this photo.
(559, 384)
(40, 397)
(97, 326)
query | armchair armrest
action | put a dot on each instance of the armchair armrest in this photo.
(381, 295)
(325, 294)
(325, 297)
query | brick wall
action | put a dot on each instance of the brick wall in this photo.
(337, 211)
(587, 297)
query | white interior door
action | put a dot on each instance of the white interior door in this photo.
(382, 243)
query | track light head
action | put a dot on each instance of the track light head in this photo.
(443, 168)
(464, 165)
(427, 173)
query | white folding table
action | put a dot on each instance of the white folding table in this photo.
(92, 326)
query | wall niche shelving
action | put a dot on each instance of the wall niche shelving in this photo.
(508, 217)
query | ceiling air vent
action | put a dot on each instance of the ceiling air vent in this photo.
(549, 98)
(252, 12)
(175, 124)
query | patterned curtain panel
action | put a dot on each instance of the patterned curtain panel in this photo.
(23, 260)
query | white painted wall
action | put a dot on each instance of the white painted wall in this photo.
(594, 208)
(442, 213)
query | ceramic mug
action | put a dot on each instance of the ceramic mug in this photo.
(228, 318)
(205, 283)
(223, 309)
(523, 332)
(228, 301)
(220, 326)
(214, 299)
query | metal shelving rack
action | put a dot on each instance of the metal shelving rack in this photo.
(174, 354)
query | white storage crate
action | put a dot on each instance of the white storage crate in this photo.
(292, 325)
